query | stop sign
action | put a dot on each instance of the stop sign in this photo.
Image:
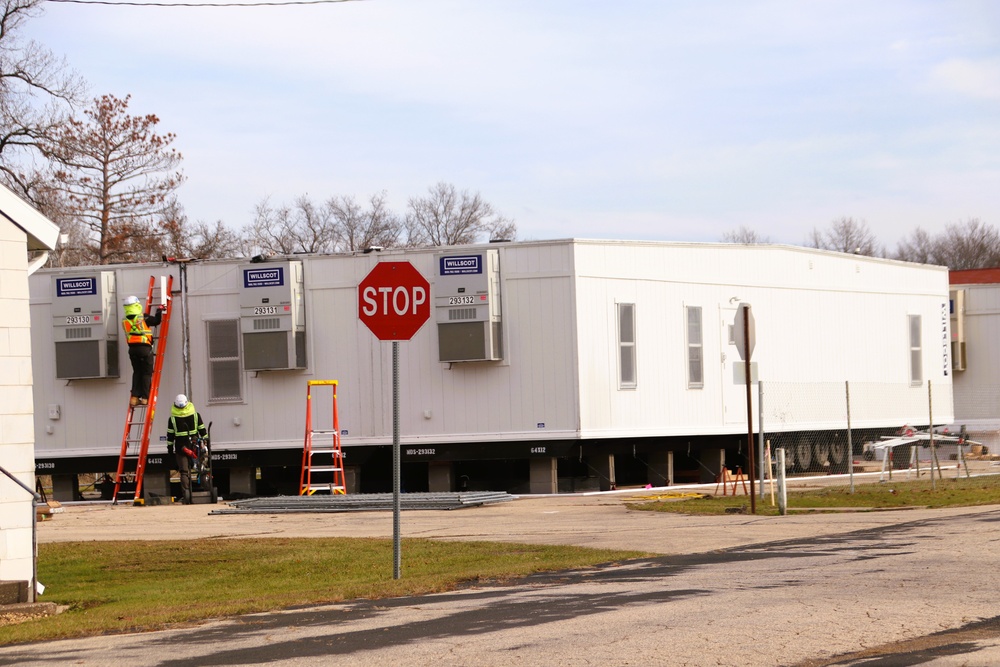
(393, 300)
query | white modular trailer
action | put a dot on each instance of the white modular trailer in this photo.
(541, 349)
(975, 330)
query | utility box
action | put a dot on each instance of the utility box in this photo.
(957, 307)
(85, 325)
(467, 306)
(272, 316)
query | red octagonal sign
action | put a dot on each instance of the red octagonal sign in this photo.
(393, 300)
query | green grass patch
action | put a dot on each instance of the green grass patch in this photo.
(900, 492)
(113, 587)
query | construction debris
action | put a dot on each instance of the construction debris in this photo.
(363, 502)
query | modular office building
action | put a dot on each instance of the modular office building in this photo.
(545, 366)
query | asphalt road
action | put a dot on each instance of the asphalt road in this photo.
(882, 588)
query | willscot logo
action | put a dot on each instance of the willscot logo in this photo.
(461, 265)
(272, 277)
(75, 286)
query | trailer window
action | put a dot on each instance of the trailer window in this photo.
(696, 378)
(626, 346)
(916, 367)
(224, 377)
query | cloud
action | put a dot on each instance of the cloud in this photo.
(979, 79)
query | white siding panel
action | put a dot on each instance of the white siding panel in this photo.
(821, 317)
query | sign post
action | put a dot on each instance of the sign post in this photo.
(745, 339)
(393, 302)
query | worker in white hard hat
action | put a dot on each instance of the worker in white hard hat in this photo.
(139, 336)
(183, 430)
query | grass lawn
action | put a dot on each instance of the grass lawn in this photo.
(114, 587)
(899, 492)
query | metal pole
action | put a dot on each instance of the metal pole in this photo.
(397, 556)
(35, 501)
(850, 443)
(760, 433)
(930, 418)
(750, 456)
(186, 340)
(782, 496)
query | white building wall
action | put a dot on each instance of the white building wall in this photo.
(820, 317)
(558, 376)
(976, 386)
(16, 426)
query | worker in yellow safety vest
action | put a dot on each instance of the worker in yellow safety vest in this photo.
(139, 336)
(184, 429)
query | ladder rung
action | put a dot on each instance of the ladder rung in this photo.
(324, 487)
(325, 469)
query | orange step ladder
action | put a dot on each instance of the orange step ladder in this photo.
(139, 418)
(322, 459)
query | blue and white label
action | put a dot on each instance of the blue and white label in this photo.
(461, 265)
(271, 277)
(76, 286)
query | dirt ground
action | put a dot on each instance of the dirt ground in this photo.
(590, 520)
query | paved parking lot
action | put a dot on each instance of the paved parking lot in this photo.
(734, 590)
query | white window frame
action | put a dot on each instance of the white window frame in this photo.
(627, 363)
(915, 337)
(228, 359)
(695, 349)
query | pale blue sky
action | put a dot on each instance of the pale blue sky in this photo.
(633, 119)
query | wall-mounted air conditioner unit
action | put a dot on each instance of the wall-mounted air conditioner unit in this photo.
(467, 306)
(272, 316)
(85, 325)
(957, 298)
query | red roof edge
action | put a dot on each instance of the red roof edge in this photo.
(974, 276)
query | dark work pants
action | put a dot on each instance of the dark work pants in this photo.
(184, 468)
(141, 357)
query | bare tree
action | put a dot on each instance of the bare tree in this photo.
(972, 244)
(847, 235)
(364, 228)
(301, 228)
(918, 247)
(745, 236)
(448, 217)
(37, 92)
(111, 171)
(199, 240)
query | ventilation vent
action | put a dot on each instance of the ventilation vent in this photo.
(461, 314)
(266, 324)
(78, 333)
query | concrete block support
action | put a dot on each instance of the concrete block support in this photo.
(156, 487)
(712, 463)
(440, 476)
(543, 475)
(604, 464)
(661, 468)
(352, 479)
(65, 488)
(243, 481)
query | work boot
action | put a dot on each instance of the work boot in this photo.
(143, 401)
(133, 401)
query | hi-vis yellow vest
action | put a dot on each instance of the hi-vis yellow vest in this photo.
(137, 330)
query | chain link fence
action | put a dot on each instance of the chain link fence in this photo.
(871, 431)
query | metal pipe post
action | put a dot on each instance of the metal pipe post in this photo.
(782, 495)
(36, 499)
(397, 556)
(760, 434)
(850, 443)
